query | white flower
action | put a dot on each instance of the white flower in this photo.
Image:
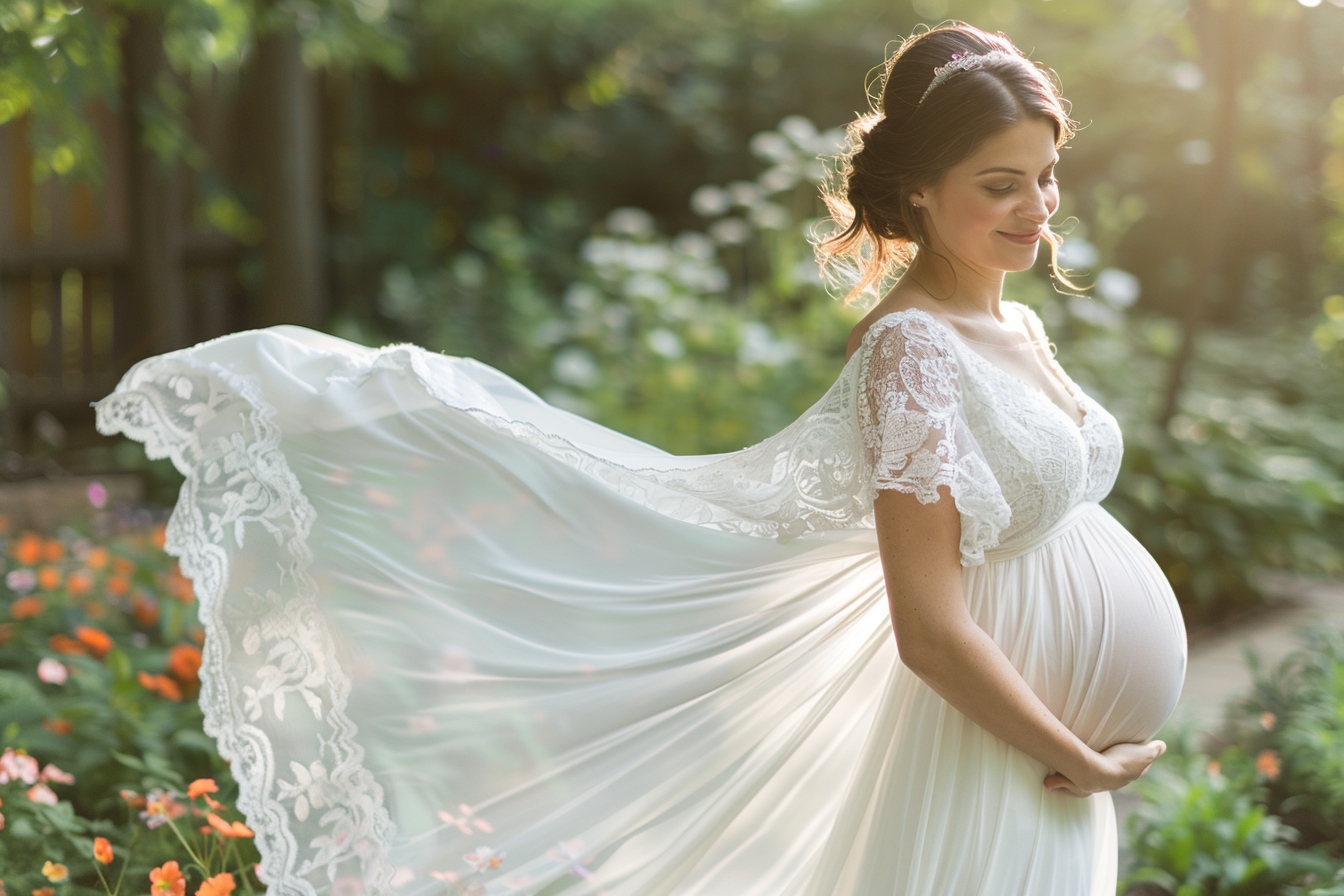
(730, 231)
(779, 178)
(800, 130)
(645, 258)
(695, 245)
(745, 194)
(710, 201)
(665, 342)
(580, 298)
(759, 346)
(1077, 253)
(773, 146)
(770, 216)
(52, 671)
(629, 221)
(1118, 287)
(647, 286)
(574, 366)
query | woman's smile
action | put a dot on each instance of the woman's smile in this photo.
(1024, 239)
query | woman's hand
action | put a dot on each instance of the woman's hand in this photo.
(1110, 769)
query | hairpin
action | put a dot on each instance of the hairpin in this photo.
(964, 62)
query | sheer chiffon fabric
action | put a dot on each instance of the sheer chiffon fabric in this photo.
(462, 641)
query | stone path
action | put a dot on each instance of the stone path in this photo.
(1217, 670)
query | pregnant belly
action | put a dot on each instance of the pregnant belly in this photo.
(1092, 624)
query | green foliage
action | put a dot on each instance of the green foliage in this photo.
(1261, 811)
(60, 57)
(98, 722)
(1296, 710)
(1249, 473)
(1203, 828)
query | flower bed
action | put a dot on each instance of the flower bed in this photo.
(107, 782)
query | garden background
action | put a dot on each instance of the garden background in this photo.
(609, 200)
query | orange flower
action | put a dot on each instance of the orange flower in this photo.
(27, 607)
(133, 799)
(44, 891)
(58, 726)
(97, 557)
(97, 640)
(1267, 764)
(234, 829)
(118, 585)
(65, 644)
(122, 566)
(79, 582)
(55, 872)
(144, 609)
(28, 549)
(219, 885)
(167, 880)
(52, 550)
(102, 850)
(201, 786)
(48, 578)
(160, 684)
(184, 661)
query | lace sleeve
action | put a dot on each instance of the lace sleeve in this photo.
(915, 434)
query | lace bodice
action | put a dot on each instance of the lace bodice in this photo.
(933, 412)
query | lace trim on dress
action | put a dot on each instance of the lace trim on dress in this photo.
(915, 432)
(803, 479)
(325, 815)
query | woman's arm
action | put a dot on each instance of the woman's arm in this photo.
(942, 644)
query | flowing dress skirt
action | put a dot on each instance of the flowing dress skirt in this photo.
(460, 641)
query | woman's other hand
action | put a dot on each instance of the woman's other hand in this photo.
(1110, 769)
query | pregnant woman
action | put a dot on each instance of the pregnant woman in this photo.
(460, 641)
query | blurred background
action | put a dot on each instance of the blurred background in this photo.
(609, 200)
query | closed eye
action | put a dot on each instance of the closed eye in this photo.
(1047, 181)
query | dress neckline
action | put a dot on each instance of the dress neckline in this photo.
(1078, 396)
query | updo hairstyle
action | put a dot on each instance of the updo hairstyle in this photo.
(905, 146)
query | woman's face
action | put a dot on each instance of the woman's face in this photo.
(989, 210)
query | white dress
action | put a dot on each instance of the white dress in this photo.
(460, 641)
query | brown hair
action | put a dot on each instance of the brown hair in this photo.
(904, 146)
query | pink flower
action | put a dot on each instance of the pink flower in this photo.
(21, 580)
(17, 767)
(484, 858)
(96, 493)
(52, 671)
(52, 773)
(41, 793)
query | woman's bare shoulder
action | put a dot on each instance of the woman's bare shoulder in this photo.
(894, 301)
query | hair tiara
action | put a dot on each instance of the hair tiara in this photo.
(964, 62)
